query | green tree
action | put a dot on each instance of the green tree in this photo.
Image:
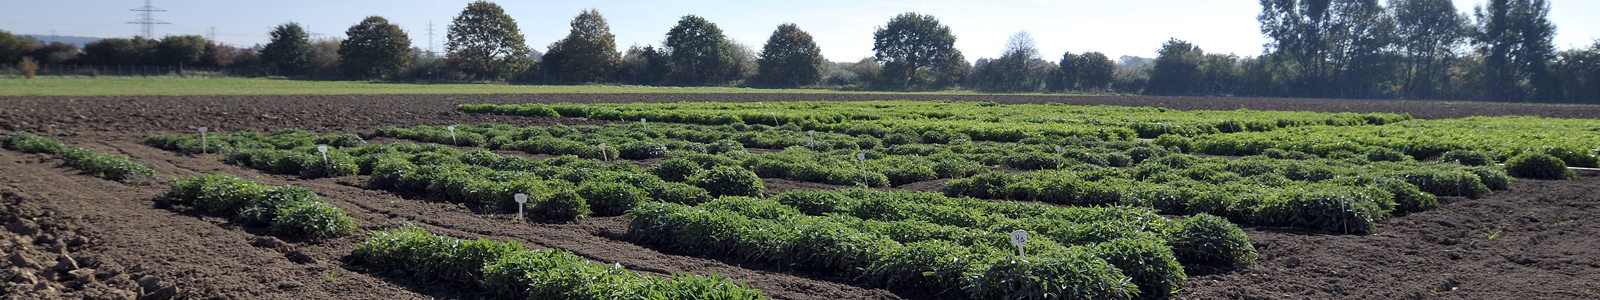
(374, 49)
(53, 53)
(1068, 70)
(1335, 46)
(915, 48)
(1095, 71)
(289, 52)
(484, 42)
(1019, 69)
(325, 58)
(120, 51)
(587, 54)
(1579, 70)
(644, 65)
(1428, 32)
(790, 58)
(1515, 39)
(699, 53)
(180, 50)
(1177, 69)
(13, 47)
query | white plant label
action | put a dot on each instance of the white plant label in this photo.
(1018, 238)
(203, 143)
(861, 156)
(452, 129)
(323, 149)
(774, 118)
(521, 199)
(646, 125)
(1058, 149)
(603, 155)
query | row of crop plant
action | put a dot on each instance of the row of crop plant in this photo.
(110, 167)
(931, 243)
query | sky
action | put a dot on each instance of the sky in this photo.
(842, 28)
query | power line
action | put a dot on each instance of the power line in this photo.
(148, 20)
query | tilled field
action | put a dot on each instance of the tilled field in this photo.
(1537, 240)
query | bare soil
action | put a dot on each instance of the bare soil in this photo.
(1538, 240)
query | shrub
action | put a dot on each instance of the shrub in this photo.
(215, 193)
(728, 181)
(31, 143)
(610, 198)
(642, 150)
(723, 146)
(680, 193)
(289, 210)
(1466, 158)
(1140, 154)
(314, 219)
(1149, 262)
(1386, 154)
(675, 169)
(348, 140)
(561, 203)
(264, 209)
(1492, 177)
(1537, 165)
(1208, 239)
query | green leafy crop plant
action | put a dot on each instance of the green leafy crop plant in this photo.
(507, 270)
(110, 167)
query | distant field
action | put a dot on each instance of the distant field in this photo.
(175, 86)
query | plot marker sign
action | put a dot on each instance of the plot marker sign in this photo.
(521, 199)
(324, 150)
(203, 145)
(452, 129)
(1018, 238)
(603, 155)
(862, 156)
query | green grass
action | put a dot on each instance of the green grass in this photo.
(179, 86)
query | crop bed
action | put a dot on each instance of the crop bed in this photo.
(1452, 237)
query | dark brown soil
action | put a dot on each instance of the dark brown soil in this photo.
(1535, 241)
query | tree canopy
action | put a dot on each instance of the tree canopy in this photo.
(699, 53)
(484, 43)
(790, 58)
(374, 48)
(587, 54)
(180, 50)
(913, 45)
(290, 51)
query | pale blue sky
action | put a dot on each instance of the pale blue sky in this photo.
(843, 28)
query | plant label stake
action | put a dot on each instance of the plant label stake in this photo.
(774, 118)
(1018, 238)
(203, 145)
(585, 110)
(452, 129)
(603, 155)
(521, 199)
(1058, 149)
(862, 156)
(646, 126)
(813, 134)
(324, 150)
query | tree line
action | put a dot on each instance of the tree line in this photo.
(1501, 50)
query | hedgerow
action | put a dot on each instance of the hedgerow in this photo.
(288, 209)
(507, 270)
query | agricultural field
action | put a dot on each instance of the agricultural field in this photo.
(796, 196)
